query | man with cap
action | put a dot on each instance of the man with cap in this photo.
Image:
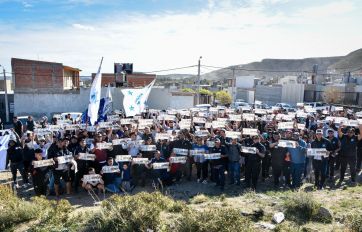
(297, 159)
(348, 152)
(335, 146)
(320, 163)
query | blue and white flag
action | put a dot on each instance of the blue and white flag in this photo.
(134, 100)
(4, 140)
(95, 96)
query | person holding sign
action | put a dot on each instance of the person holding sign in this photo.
(297, 160)
(82, 164)
(233, 154)
(40, 175)
(253, 164)
(159, 175)
(89, 184)
(200, 161)
(112, 179)
(61, 169)
(277, 158)
(218, 167)
(348, 153)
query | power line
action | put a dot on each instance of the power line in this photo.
(172, 69)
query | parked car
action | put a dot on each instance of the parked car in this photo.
(75, 116)
(317, 105)
(285, 106)
(243, 106)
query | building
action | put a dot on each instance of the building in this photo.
(126, 80)
(32, 76)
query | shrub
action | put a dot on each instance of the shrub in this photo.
(353, 221)
(199, 199)
(14, 210)
(301, 207)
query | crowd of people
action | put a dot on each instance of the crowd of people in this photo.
(215, 145)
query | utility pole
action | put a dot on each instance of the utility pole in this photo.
(198, 81)
(6, 97)
(234, 85)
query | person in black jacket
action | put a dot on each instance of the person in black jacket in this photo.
(253, 165)
(218, 168)
(277, 158)
(15, 157)
(40, 175)
(82, 165)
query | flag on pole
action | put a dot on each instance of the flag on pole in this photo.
(109, 94)
(134, 100)
(95, 96)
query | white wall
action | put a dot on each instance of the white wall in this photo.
(292, 93)
(182, 102)
(245, 81)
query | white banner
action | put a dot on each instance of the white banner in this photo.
(148, 148)
(212, 156)
(106, 146)
(162, 136)
(140, 160)
(120, 141)
(233, 134)
(110, 169)
(218, 124)
(180, 151)
(72, 127)
(178, 160)
(260, 111)
(113, 118)
(197, 152)
(301, 126)
(235, 117)
(250, 131)
(92, 178)
(163, 165)
(210, 143)
(285, 125)
(317, 152)
(64, 159)
(127, 121)
(86, 156)
(250, 150)
(43, 163)
(105, 124)
(123, 158)
(287, 143)
(199, 120)
(202, 133)
(248, 117)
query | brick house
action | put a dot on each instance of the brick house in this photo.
(32, 76)
(129, 80)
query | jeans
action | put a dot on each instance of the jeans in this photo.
(114, 187)
(219, 173)
(320, 170)
(14, 167)
(234, 172)
(351, 161)
(202, 168)
(297, 171)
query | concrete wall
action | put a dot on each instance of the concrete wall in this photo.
(292, 93)
(268, 94)
(245, 81)
(48, 104)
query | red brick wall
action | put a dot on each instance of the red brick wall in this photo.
(106, 78)
(23, 71)
(133, 80)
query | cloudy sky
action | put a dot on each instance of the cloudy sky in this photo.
(162, 34)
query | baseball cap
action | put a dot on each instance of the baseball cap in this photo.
(319, 131)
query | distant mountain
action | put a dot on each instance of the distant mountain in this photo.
(282, 67)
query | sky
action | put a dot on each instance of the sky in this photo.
(164, 34)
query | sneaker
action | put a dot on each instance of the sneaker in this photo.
(198, 180)
(204, 182)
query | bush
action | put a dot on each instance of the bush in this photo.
(301, 207)
(14, 210)
(353, 221)
(213, 220)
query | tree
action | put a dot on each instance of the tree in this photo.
(205, 92)
(332, 95)
(223, 97)
(188, 90)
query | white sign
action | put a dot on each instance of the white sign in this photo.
(148, 147)
(359, 114)
(140, 160)
(338, 108)
(126, 121)
(212, 156)
(43, 163)
(248, 117)
(287, 143)
(162, 136)
(64, 159)
(105, 124)
(301, 126)
(92, 178)
(250, 131)
(285, 125)
(71, 127)
(202, 133)
(106, 146)
(218, 124)
(210, 143)
(250, 150)
(233, 134)
(318, 152)
(123, 158)
(197, 152)
(163, 165)
(86, 156)
(235, 117)
(120, 141)
(260, 111)
(178, 160)
(180, 151)
(113, 118)
(110, 169)
(199, 120)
